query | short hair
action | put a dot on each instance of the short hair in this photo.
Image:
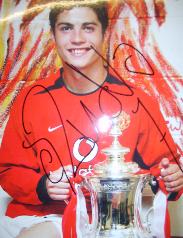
(100, 9)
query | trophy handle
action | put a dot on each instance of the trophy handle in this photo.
(86, 226)
(142, 220)
(147, 219)
(76, 220)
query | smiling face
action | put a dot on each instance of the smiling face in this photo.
(76, 30)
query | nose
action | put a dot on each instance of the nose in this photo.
(77, 37)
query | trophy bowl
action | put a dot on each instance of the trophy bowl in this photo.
(118, 186)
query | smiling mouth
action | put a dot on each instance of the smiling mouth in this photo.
(80, 51)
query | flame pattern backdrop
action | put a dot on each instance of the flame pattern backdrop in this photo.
(151, 57)
(153, 27)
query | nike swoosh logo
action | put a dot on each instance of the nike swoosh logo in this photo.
(51, 129)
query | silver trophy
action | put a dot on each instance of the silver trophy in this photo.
(118, 188)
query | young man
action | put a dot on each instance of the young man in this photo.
(56, 128)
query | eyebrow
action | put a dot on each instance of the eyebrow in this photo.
(71, 25)
(89, 23)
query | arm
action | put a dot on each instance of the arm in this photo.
(156, 143)
(19, 168)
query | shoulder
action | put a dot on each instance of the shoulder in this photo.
(133, 96)
(54, 80)
(128, 89)
(35, 93)
(44, 84)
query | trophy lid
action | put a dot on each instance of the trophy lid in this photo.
(115, 165)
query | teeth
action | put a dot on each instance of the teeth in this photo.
(78, 52)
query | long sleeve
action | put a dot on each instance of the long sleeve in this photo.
(155, 141)
(19, 168)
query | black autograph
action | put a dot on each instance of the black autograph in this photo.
(126, 65)
(91, 116)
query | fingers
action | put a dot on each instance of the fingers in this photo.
(59, 197)
(58, 177)
(169, 170)
(174, 181)
(58, 186)
(59, 193)
(173, 186)
(69, 168)
(171, 175)
(62, 173)
(164, 163)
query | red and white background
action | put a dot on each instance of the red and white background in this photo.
(150, 55)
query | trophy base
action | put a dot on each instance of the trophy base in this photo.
(123, 233)
(116, 233)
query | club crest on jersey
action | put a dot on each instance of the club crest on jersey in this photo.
(123, 121)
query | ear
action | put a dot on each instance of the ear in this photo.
(52, 35)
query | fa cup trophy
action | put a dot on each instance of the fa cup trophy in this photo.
(118, 187)
(115, 189)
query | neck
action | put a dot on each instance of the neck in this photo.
(88, 82)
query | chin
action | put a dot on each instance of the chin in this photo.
(81, 67)
(78, 65)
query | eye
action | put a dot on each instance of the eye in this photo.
(89, 29)
(65, 28)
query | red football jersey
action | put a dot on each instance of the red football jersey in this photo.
(49, 127)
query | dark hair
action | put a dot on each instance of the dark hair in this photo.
(99, 8)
